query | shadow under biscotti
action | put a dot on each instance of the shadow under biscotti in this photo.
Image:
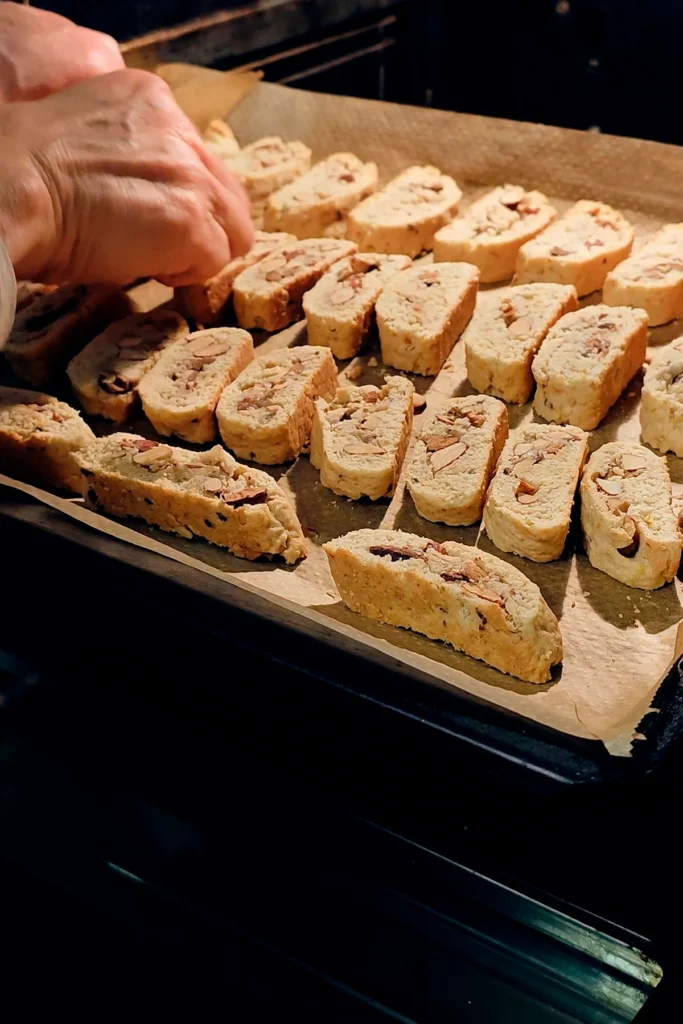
(625, 607)
(325, 515)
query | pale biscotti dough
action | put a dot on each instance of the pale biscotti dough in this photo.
(661, 400)
(266, 414)
(322, 197)
(652, 278)
(492, 230)
(454, 458)
(505, 334)
(39, 437)
(359, 438)
(579, 248)
(220, 140)
(404, 216)
(267, 164)
(269, 295)
(586, 361)
(529, 503)
(629, 526)
(204, 494)
(340, 308)
(475, 601)
(179, 394)
(27, 291)
(106, 374)
(422, 312)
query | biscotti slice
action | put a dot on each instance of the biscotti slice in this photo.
(203, 494)
(629, 526)
(28, 291)
(493, 229)
(39, 437)
(475, 601)
(269, 294)
(505, 334)
(340, 308)
(220, 140)
(404, 216)
(422, 312)
(267, 164)
(652, 278)
(53, 327)
(586, 361)
(580, 248)
(321, 197)
(661, 402)
(529, 503)
(179, 394)
(266, 414)
(206, 303)
(360, 438)
(454, 458)
(106, 374)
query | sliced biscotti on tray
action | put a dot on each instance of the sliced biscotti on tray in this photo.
(579, 249)
(39, 437)
(492, 230)
(268, 164)
(179, 394)
(204, 494)
(474, 601)
(652, 278)
(586, 361)
(661, 400)
(422, 312)
(360, 438)
(529, 503)
(629, 527)
(505, 334)
(340, 308)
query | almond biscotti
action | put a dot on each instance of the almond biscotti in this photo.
(505, 334)
(651, 278)
(203, 494)
(106, 374)
(661, 400)
(266, 414)
(586, 361)
(360, 437)
(454, 458)
(220, 140)
(474, 601)
(179, 394)
(422, 312)
(405, 215)
(39, 437)
(492, 231)
(340, 308)
(579, 249)
(267, 164)
(629, 526)
(529, 503)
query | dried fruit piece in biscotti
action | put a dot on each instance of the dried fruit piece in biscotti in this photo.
(505, 334)
(661, 402)
(580, 248)
(266, 414)
(203, 494)
(220, 140)
(529, 503)
(28, 291)
(360, 438)
(340, 308)
(422, 312)
(475, 601)
(106, 374)
(268, 164)
(404, 216)
(492, 230)
(454, 458)
(652, 278)
(629, 526)
(179, 394)
(586, 361)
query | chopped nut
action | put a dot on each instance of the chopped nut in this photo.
(248, 496)
(440, 459)
(617, 504)
(419, 401)
(206, 348)
(114, 384)
(557, 250)
(523, 447)
(157, 454)
(631, 463)
(631, 528)
(435, 442)
(609, 485)
(474, 571)
(525, 492)
(520, 327)
(213, 484)
(483, 593)
(395, 553)
(525, 465)
(436, 546)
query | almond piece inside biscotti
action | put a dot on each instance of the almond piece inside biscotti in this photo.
(505, 333)
(586, 361)
(629, 527)
(267, 164)
(579, 249)
(360, 438)
(492, 230)
(266, 414)
(422, 312)
(652, 278)
(404, 216)
(340, 308)
(661, 404)
(529, 503)
(220, 140)
(475, 601)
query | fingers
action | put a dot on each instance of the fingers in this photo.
(232, 208)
